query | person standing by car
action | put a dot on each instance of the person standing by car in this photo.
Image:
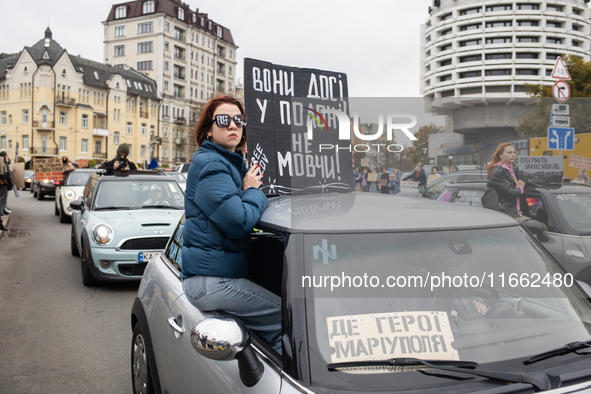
(582, 177)
(364, 182)
(418, 175)
(395, 181)
(433, 175)
(5, 186)
(384, 183)
(120, 162)
(503, 190)
(222, 205)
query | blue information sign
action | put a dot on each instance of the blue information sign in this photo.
(561, 138)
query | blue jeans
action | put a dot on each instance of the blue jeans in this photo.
(254, 305)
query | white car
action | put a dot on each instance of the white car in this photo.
(179, 177)
(71, 189)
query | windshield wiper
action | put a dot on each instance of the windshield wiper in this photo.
(561, 351)
(161, 206)
(116, 208)
(540, 380)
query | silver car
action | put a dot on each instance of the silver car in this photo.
(379, 294)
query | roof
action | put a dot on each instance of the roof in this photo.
(140, 175)
(169, 7)
(373, 212)
(569, 188)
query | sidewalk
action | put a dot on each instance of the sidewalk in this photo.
(5, 221)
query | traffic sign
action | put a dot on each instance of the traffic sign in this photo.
(560, 109)
(560, 71)
(561, 121)
(561, 138)
(561, 91)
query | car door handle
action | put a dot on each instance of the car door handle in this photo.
(172, 322)
(575, 253)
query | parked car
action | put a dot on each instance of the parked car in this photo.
(179, 177)
(564, 210)
(116, 229)
(362, 335)
(29, 179)
(183, 167)
(70, 190)
(433, 190)
(44, 187)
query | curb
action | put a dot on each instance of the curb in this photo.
(5, 221)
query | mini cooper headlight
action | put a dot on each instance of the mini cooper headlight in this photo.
(69, 194)
(102, 234)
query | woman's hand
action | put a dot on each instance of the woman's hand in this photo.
(521, 183)
(252, 178)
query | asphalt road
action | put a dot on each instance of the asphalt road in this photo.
(57, 336)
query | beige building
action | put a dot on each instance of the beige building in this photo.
(55, 104)
(191, 58)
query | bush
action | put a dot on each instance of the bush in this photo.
(91, 163)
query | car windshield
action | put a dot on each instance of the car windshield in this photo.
(77, 178)
(576, 210)
(132, 194)
(485, 295)
(177, 176)
(438, 185)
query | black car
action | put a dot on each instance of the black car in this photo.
(29, 179)
(44, 187)
(564, 210)
(433, 190)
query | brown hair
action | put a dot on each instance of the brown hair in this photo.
(206, 119)
(496, 157)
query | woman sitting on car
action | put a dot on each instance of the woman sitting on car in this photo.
(222, 205)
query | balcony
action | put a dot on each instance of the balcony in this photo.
(180, 141)
(144, 113)
(41, 126)
(180, 160)
(179, 120)
(66, 102)
(37, 150)
(100, 155)
(101, 132)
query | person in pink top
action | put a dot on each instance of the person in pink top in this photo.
(501, 176)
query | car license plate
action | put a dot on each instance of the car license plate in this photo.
(145, 257)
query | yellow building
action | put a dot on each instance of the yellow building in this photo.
(539, 147)
(55, 104)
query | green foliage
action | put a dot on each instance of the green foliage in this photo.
(419, 151)
(20, 159)
(536, 123)
(91, 163)
(165, 165)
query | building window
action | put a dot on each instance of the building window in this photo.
(148, 7)
(84, 121)
(116, 138)
(25, 142)
(527, 39)
(3, 118)
(468, 43)
(43, 144)
(552, 56)
(179, 34)
(556, 25)
(63, 118)
(166, 26)
(166, 65)
(445, 32)
(145, 47)
(577, 11)
(526, 55)
(181, 14)
(165, 85)
(525, 71)
(498, 24)
(120, 12)
(445, 47)
(577, 43)
(10, 120)
(44, 116)
(210, 26)
(121, 66)
(553, 7)
(84, 146)
(576, 27)
(62, 144)
(178, 91)
(497, 73)
(120, 31)
(179, 53)
(472, 26)
(143, 129)
(445, 62)
(527, 23)
(220, 31)
(145, 27)
(498, 56)
(471, 58)
(471, 74)
(179, 72)
(548, 72)
(146, 65)
(469, 11)
(553, 40)
(498, 40)
(445, 17)
(445, 78)
(129, 128)
(500, 7)
(119, 50)
(25, 116)
(528, 7)
(3, 142)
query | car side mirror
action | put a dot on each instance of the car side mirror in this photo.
(227, 338)
(423, 189)
(76, 205)
(537, 229)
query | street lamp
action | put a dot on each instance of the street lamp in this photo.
(450, 159)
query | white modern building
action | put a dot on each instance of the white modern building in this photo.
(477, 55)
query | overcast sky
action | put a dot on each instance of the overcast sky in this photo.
(375, 42)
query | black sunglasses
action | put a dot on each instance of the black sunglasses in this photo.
(223, 120)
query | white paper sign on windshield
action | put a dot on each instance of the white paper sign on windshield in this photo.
(382, 336)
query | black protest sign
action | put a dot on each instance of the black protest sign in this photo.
(291, 133)
(541, 170)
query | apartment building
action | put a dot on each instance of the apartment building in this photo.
(191, 57)
(476, 57)
(54, 104)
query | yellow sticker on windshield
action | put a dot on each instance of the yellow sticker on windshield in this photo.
(425, 335)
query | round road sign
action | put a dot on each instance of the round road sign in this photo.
(561, 91)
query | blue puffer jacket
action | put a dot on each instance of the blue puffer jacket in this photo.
(218, 214)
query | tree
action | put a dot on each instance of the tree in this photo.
(536, 123)
(420, 148)
(91, 163)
